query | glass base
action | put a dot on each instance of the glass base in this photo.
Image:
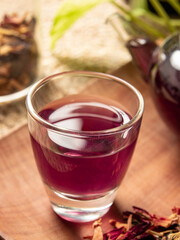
(76, 210)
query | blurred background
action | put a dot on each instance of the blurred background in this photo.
(90, 44)
(86, 35)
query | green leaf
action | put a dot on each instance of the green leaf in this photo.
(141, 18)
(175, 4)
(161, 12)
(136, 4)
(68, 14)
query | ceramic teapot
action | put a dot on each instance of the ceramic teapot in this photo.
(160, 67)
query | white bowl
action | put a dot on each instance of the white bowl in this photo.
(14, 97)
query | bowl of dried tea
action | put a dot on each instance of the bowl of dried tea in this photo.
(18, 56)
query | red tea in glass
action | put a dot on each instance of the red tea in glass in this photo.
(82, 167)
(83, 144)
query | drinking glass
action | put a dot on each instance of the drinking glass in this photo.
(83, 128)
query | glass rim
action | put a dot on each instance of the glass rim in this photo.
(49, 125)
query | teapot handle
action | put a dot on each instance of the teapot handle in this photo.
(142, 52)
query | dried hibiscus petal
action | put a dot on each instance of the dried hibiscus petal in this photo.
(142, 211)
(136, 217)
(98, 234)
(118, 224)
(161, 222)
(141, 225)
(176, 210)
(139, 215)
(135, 231)
(115, 233)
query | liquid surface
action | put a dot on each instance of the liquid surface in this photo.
(83, 165)
(84, 114)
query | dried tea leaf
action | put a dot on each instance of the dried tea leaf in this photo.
(18, 53)
(9, 32)
(4, 70)
(2, 81)
(4, 50)
(117, 224)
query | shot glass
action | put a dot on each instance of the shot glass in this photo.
(83, 128)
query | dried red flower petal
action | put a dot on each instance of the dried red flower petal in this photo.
(176, 210)
(144, 226)
(161, 222)
(142, 211)
(145, 236)
(98, 234)
(115, 233)
(136, 217)
(135, 231)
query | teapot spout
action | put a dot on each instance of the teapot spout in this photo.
(142, 51)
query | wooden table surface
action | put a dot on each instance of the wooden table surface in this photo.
(152, 181)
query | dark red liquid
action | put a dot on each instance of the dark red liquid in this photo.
(83, 166)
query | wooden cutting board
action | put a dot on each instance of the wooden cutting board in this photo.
(152, 181)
